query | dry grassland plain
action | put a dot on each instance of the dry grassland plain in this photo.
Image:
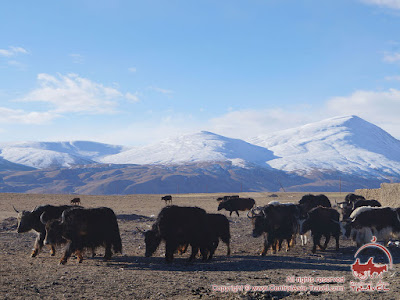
(133, 276)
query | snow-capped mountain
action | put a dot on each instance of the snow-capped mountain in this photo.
(346, 152)
(347, 144)
(56, 154)
(199, 147)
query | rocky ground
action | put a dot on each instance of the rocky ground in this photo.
(133, 276)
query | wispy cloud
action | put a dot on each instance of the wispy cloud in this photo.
(251, 122)
(72, 93)
(17, 116)
(132, 69)
(394, 4)
(132, 97)
(77, 58)
(378, 107)
(160, 90)
(392, 78)
(391, 57)
(13, 51)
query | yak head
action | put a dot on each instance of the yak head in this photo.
(53, 230)
(224, 205)
(25, 220)
(258, 218)
(152, 240)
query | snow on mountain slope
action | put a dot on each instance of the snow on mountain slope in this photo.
(202, 146)
(56, 154)
(347, 144)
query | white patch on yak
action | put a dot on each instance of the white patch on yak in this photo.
(361, 209)
(364, 235)
(303, 238)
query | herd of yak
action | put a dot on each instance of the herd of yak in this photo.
(178, 226)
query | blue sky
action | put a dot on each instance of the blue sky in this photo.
(135, 72)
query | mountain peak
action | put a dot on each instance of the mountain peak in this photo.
(346, 144)
(195, 147)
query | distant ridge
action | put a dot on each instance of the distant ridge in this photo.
(337, 154)
(199, 147)
(347, 144)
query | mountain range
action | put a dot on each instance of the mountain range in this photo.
(336, 154)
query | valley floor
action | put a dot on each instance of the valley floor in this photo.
(133, 276)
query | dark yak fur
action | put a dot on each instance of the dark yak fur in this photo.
(347, 210)
(372, 203)
(179, 226)
(279, 222)
(381, 222)
(76, 201)
(234, 204)
(351, 198)
(30, 220)
(309, 201)
(322, 221)
(86, 228)
(219, 229)
(224, 198)
(167, 199)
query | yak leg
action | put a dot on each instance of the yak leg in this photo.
(237, 213)
(316, 240)
(279, 242)
(108, 253)
(195, 250)
(228, 252)
(327, 239)
(78, 253)
(265, 249)
(213, 248)
(337, 242)
(205, 253)
(38, 244)
(182, 248)
(272, 243)
(52, 250)
(289, 243)
(71, 248)
(170, 248)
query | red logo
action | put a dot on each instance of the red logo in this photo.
(370, 270)
(363, 271)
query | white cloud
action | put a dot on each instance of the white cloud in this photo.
(16, 116)
(71, 93)
(381, 108)
(395, 4)
(77, 58)
(249, 123)
(132, 70)
(132, 97)
(160, 90)
(13, 51)
(392, 78)
(154, 129)
(391, 57)
(378, 107)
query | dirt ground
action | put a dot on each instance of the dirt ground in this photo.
(133, 276)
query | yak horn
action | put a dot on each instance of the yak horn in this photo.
(42, 218)
(15, 209)
(253, 212)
